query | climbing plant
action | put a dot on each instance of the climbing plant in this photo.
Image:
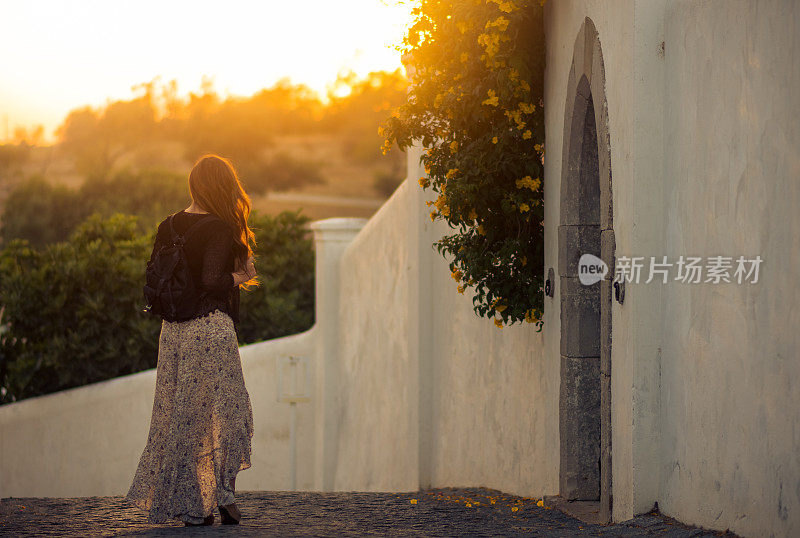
(475, 104)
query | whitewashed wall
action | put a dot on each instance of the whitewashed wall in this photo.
(704, 119)
(495, 399)
(432, 395)
(87, 441)
(730, 366)
(378, 390)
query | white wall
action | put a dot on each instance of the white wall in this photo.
(87, 441)
(730, 399)
(495, 404)
(431, 394)
(705, 161)
(377, 446)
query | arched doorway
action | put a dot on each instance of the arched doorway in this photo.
(585, 227)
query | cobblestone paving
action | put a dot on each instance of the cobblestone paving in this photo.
(473, 512)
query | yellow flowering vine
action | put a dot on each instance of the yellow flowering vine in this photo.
(475, 105)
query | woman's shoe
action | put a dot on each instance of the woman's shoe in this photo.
(209, 520)
(230, 514)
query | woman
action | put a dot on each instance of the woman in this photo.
(202, 421)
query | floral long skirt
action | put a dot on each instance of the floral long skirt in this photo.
(201, 425)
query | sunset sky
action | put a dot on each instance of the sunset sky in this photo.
(56, 55)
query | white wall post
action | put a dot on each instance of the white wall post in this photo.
(331, 237)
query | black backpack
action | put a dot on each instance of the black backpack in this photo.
(169, 289)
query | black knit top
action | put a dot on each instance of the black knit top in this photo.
(210, 256)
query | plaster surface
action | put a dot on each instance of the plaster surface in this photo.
(87, 441)
(730, 404)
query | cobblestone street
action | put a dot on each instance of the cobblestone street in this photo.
(436, 512)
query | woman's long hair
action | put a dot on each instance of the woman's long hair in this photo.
(215, 187)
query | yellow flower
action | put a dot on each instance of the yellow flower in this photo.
(460, 288)
(532, 184)
(423, 182)
(494, 140)
(413, 501)
(513, 115)
(501, 23)
(453, 146)
(530, 319)
(493, 100)
(492, 501)
(539, 148)
(523, 207)
(468, 505)
(498, 322)
(451, 173)
(540, 503)
(433, 216)
(508, 7)
(527, 134)
(456, 274)
(527, 108)
(514, 508)
(497, 306)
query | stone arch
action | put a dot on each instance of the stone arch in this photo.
(586, 226)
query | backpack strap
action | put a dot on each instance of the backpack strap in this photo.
(175, 237)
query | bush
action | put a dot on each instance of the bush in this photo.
(476, 104)
(43, 213)
(281, 172)
(72, 310)
(284, 302)
(149, 194)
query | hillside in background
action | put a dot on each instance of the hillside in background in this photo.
(292, 150)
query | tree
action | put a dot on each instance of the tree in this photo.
(96, 139)
(358, 105)
(43, 213)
